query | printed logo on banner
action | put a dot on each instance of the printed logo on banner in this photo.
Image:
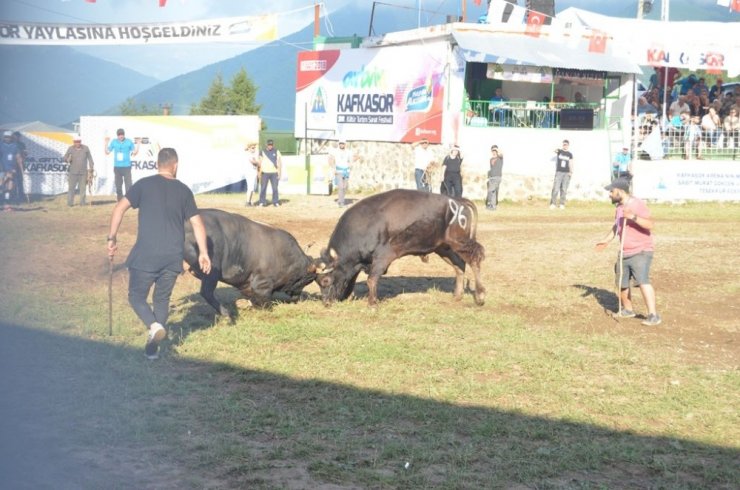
(419, 99)
(318, 104)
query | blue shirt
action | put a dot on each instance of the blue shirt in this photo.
(622, 161)
(121, 152)
(9, 156)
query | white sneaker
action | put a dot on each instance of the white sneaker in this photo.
(562, 206)
(156, 333)
(552, 206)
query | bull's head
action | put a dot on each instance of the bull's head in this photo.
(326, 270)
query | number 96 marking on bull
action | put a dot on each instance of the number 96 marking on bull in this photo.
(458, 214)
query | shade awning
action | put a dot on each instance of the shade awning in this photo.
(520, 49)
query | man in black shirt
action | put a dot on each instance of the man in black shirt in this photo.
(494, 177)
(563, 173)
(164, 204)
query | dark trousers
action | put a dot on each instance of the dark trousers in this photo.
(272, 178)
(452, 185)
(139, 284)
(123, 174)
(560, 188)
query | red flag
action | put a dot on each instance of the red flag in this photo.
(735, 7)
(162, 2)
(534, 23)
(477, 2)
(90, 1)
(597, 43)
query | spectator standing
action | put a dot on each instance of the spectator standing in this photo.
(731, 127)
(271, 168)
(710, 125)
(563, 173)
(22, 166)
(11, 161)
(632, 224)
(692, 138)
(123, 149)
(80, 162)
(340, 161)
(495, 173)
(452, 179)
(423, 158)
(622, 165)
(164, 204)
(252, 170)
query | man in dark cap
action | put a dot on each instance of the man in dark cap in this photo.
(633, 224)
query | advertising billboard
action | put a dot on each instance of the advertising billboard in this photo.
(393, 94)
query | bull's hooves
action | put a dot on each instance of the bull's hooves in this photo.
(480, 302)
(457, 297)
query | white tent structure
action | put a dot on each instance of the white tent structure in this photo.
(688, 45)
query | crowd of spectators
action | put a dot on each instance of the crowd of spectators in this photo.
(697, 118)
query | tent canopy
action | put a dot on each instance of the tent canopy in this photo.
(688, 45)
(519, 49)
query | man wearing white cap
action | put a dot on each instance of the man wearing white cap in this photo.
(11, 162)
(77, 157)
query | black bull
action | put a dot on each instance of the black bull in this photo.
(255, 258)
(384, 227)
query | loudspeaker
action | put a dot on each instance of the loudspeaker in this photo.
(577, 119)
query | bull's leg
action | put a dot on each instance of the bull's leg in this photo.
(207, 288)
(260, 291)
(458, 265)
(480, 291)
(378, 268)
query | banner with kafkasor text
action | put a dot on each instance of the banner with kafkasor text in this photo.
(231, 29)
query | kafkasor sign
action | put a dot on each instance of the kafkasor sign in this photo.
(391, 94)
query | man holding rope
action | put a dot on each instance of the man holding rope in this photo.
(633, 224)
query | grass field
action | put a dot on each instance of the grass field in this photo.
(539, 388)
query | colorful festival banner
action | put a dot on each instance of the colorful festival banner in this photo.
(257, 28)
(390, 94)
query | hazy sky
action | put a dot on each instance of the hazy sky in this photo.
(166, 61)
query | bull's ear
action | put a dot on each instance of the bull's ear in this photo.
(311, 268)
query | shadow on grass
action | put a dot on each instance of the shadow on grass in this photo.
(76, 413)
(607, 299)
(200, 314)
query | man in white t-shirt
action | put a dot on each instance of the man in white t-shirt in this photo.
(423, 157)
(340, 160)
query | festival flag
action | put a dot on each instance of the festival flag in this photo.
(90, 1)
(477, 2)
(735, 7)
(502, 11)
(597, 42)
(534, 23)
(162, 2)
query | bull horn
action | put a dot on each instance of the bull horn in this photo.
(333, 254)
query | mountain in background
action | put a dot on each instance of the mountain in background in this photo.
(55, 84)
